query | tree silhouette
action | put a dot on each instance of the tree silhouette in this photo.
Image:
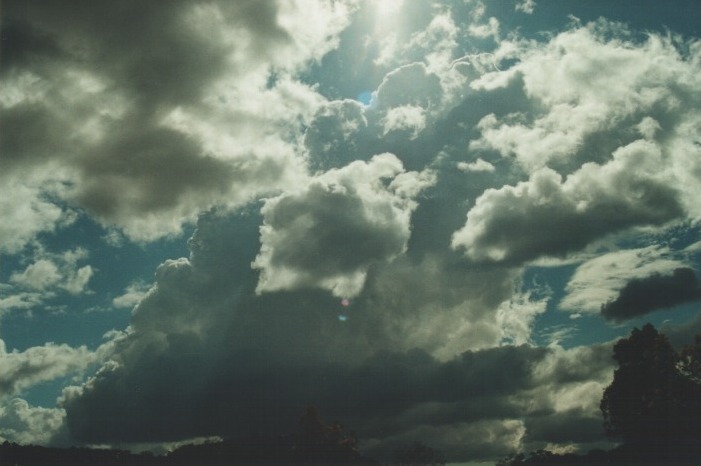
(653, 406)
(654, 402)
(418, 454)
(324, 443)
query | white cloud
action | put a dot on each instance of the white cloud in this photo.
(328, 234)
(50, 273)
(27, 425)
(409, 118)
(13, 299)
(551, 216)
(25, 213)
(485, 30)
(516, 317)
(38, 276)
(587, 93)
(22, 369)
(599, 280)
(526, 6)
(478, 165)
(133, 294)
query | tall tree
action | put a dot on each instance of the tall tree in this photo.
(653, 403)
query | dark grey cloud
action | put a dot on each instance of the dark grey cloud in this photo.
(657, 291)
(118, 104)
(207, 356)
(152, 51)
(152, 169)
(332, 137)
(567, 427)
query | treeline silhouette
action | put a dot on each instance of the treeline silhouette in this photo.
(314, 443)
(653, 407)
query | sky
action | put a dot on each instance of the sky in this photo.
(430, 219)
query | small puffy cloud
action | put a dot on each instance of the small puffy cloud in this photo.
(525, 6)
(485, 30)
(478, 165)
(50, 272)
(657, 291)
(133, 294)
(20, 370)
(551, 216)
(328, 234)
(13, 299)
(39, 275)
(601, 280)
(28, 425)
(407, 118)
(77, 282)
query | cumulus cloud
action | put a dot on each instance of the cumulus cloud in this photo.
(132, 295)
(28, 425)
(489, 160)
(657, 291)
(22, 369)
(526, 6)
(95, 107)
(604, 89)
(478, 165)
(330, 233)
(334, 136)
(201, 328)
(515, 317)
(406, 118)
(600, 280)
(551, 216)
(48, 275)
(26, 212)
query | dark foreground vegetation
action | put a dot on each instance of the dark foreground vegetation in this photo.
(314, 443)
(653, 407)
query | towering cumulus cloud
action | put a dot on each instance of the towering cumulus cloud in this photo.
(430, 220)
(329, 234)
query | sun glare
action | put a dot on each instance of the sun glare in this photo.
(387, 17)
(387, 8)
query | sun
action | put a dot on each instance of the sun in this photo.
(387, 8)
(387, 16)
